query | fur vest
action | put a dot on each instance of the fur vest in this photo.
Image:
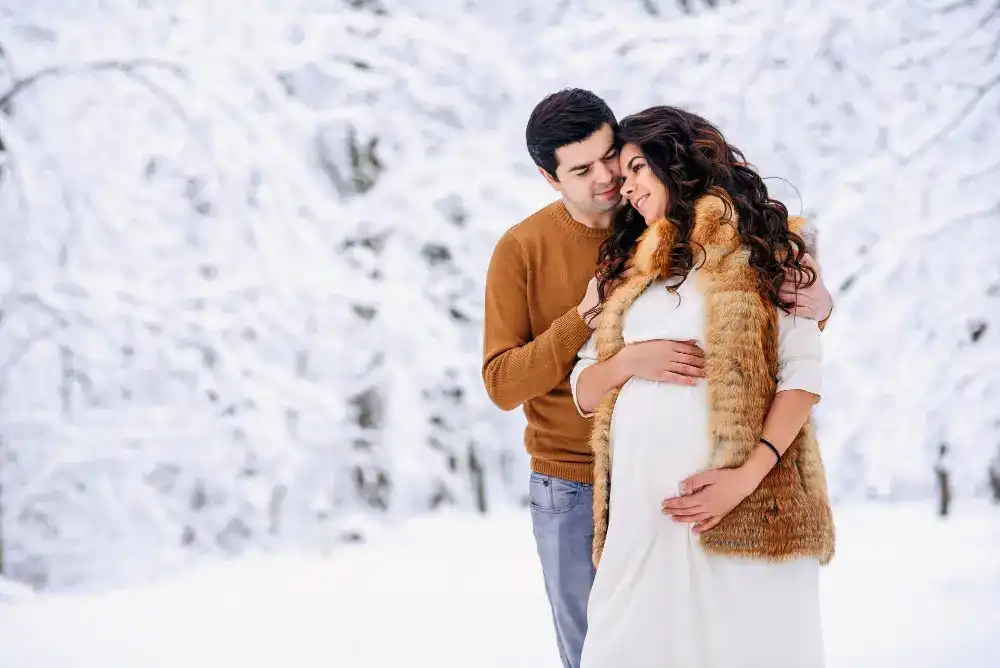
(789, 514)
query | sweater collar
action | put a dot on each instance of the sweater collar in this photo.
(563, 218)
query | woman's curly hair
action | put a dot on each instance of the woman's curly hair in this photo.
(691, 158)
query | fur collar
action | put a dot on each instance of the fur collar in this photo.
(716, 228)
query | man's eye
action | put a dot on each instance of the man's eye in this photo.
(584, 172)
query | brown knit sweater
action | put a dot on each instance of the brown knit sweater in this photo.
(532, 332)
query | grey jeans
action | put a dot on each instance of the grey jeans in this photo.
(563, 523)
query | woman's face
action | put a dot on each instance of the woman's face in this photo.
(643, 190)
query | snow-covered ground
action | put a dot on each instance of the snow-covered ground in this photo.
(456, 590)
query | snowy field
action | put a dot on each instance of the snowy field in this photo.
(454, 590)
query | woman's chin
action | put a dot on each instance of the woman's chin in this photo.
(649, 220)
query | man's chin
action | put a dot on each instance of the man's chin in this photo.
(608, 205)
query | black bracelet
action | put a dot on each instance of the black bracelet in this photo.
(777, 455)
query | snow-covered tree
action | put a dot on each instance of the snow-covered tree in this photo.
(242, 253)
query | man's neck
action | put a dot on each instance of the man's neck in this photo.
(593, 220)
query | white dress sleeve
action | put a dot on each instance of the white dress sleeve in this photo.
(587, 357)
(800, 354)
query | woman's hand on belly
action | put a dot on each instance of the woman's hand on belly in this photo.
(708, 497)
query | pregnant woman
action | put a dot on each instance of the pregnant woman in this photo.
(710, 505)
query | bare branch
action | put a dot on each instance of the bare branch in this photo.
(964, 219)
(5, 62)
(978, 175)
(22, 206)
(163, 95)
(131, 70)
(958, 4)
(126, 67)
(959, 39)
(964, 113)
(24, 345)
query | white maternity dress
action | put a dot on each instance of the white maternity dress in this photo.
(658, 599)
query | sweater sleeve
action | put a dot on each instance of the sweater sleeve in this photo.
(516, 366)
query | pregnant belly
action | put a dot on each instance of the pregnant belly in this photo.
(659, 434)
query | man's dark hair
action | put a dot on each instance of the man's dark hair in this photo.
(565, 117)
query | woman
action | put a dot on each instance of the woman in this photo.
(724, 573)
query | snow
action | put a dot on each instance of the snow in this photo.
(241, 272)
(456, 589)
(242, 253)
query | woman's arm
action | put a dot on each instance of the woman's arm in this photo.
(707, 497)
(788, 413)
(800, 382)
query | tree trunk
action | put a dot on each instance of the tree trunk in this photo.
(993, 472)
(944, 492)
(943, 480)
(478, 479)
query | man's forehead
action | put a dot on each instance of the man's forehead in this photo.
(591, 149)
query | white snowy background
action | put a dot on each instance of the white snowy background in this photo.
(242, 254)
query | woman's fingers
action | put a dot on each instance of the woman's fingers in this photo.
(685, 369)
(687, 503)
(678, 513)
(793, 295)
(707, 524)
(691, 360)
(688, 348)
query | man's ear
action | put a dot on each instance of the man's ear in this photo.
(549, 178)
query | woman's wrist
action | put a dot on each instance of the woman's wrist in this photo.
(623, 363)
(758, 465)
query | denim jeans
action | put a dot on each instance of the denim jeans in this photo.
(563, 523)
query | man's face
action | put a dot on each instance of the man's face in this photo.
(588, 172)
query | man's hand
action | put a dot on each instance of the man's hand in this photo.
(680, 362)
(589, 301)
(814, 302)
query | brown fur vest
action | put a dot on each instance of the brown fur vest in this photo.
(789, 513)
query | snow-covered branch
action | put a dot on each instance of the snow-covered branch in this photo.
(242, 266)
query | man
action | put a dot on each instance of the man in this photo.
(534, 327)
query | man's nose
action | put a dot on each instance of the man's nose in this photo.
(607, 176)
